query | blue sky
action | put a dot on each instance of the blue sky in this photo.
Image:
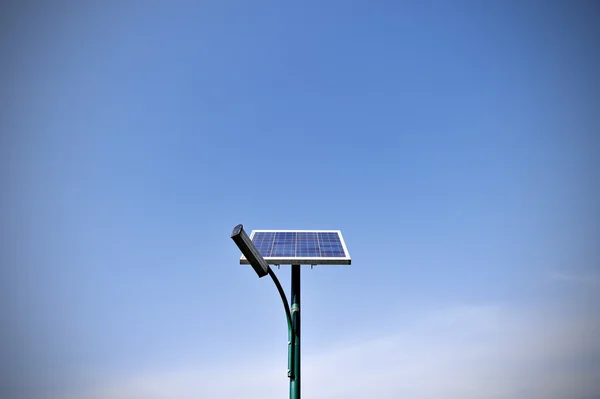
(455, 145)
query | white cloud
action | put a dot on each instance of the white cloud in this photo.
(472, 352)
(461, 352)
(586, 279)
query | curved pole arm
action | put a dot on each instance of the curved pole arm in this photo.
(288, 316)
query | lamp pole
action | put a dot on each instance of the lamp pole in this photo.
(295, 293)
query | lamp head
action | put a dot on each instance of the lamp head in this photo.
(241, 239)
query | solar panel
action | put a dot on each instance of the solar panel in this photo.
(300, 247)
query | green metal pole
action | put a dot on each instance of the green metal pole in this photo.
(295, 310)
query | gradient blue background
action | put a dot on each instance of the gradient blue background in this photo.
(455, 145)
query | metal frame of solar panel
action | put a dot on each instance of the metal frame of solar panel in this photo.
(300, 247)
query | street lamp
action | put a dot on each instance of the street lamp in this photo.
(293, 247)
